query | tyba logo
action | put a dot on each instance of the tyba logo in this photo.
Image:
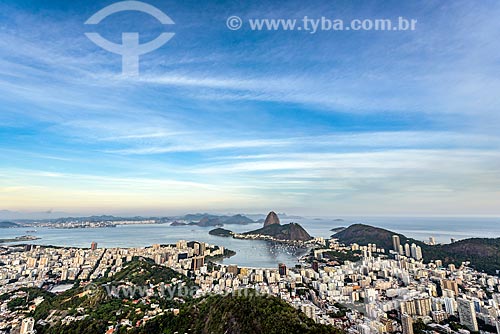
(130, 49)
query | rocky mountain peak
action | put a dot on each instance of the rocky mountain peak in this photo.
(271, 219)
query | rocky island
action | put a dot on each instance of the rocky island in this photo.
(221, 232)
(273, 230)
(19, 239)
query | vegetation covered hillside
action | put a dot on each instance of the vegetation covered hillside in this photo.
(246, 313)
(132, 302)
(365, 234)
(141, 289)
(482, 253)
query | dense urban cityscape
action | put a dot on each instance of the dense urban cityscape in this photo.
(145, 143)
(356, 288)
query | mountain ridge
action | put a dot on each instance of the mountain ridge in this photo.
(7, 224)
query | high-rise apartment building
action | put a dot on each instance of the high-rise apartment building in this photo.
(27, 326)
(467, 314)
(407, 323)
(396, 243)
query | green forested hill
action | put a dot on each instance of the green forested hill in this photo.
(240, 314)
(245, 312)
(483, 253)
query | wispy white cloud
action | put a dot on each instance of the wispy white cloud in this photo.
(309, 144)
(345, 89)
(180, 133)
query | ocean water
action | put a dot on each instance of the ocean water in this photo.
(256, 253)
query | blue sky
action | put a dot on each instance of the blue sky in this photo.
(331, 123)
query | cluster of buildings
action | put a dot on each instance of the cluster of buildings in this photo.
(408, 250)
(56, 269)
(79, 223)
(380, 293)
(398, 290)
(36, 266)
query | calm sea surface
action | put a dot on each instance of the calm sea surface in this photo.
(254, 253)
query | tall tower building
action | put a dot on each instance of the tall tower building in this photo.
(467, 314)
(197, 262)
(315, 266)
(407, 250)
(413, 249)
(418, 253)
(449, 285)
(450, 305)
(408, 307)
(423, 306)
(64, 274)
(407, 323)
(93, 245)
(396, 243)
(282, 269)
(27, 326)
